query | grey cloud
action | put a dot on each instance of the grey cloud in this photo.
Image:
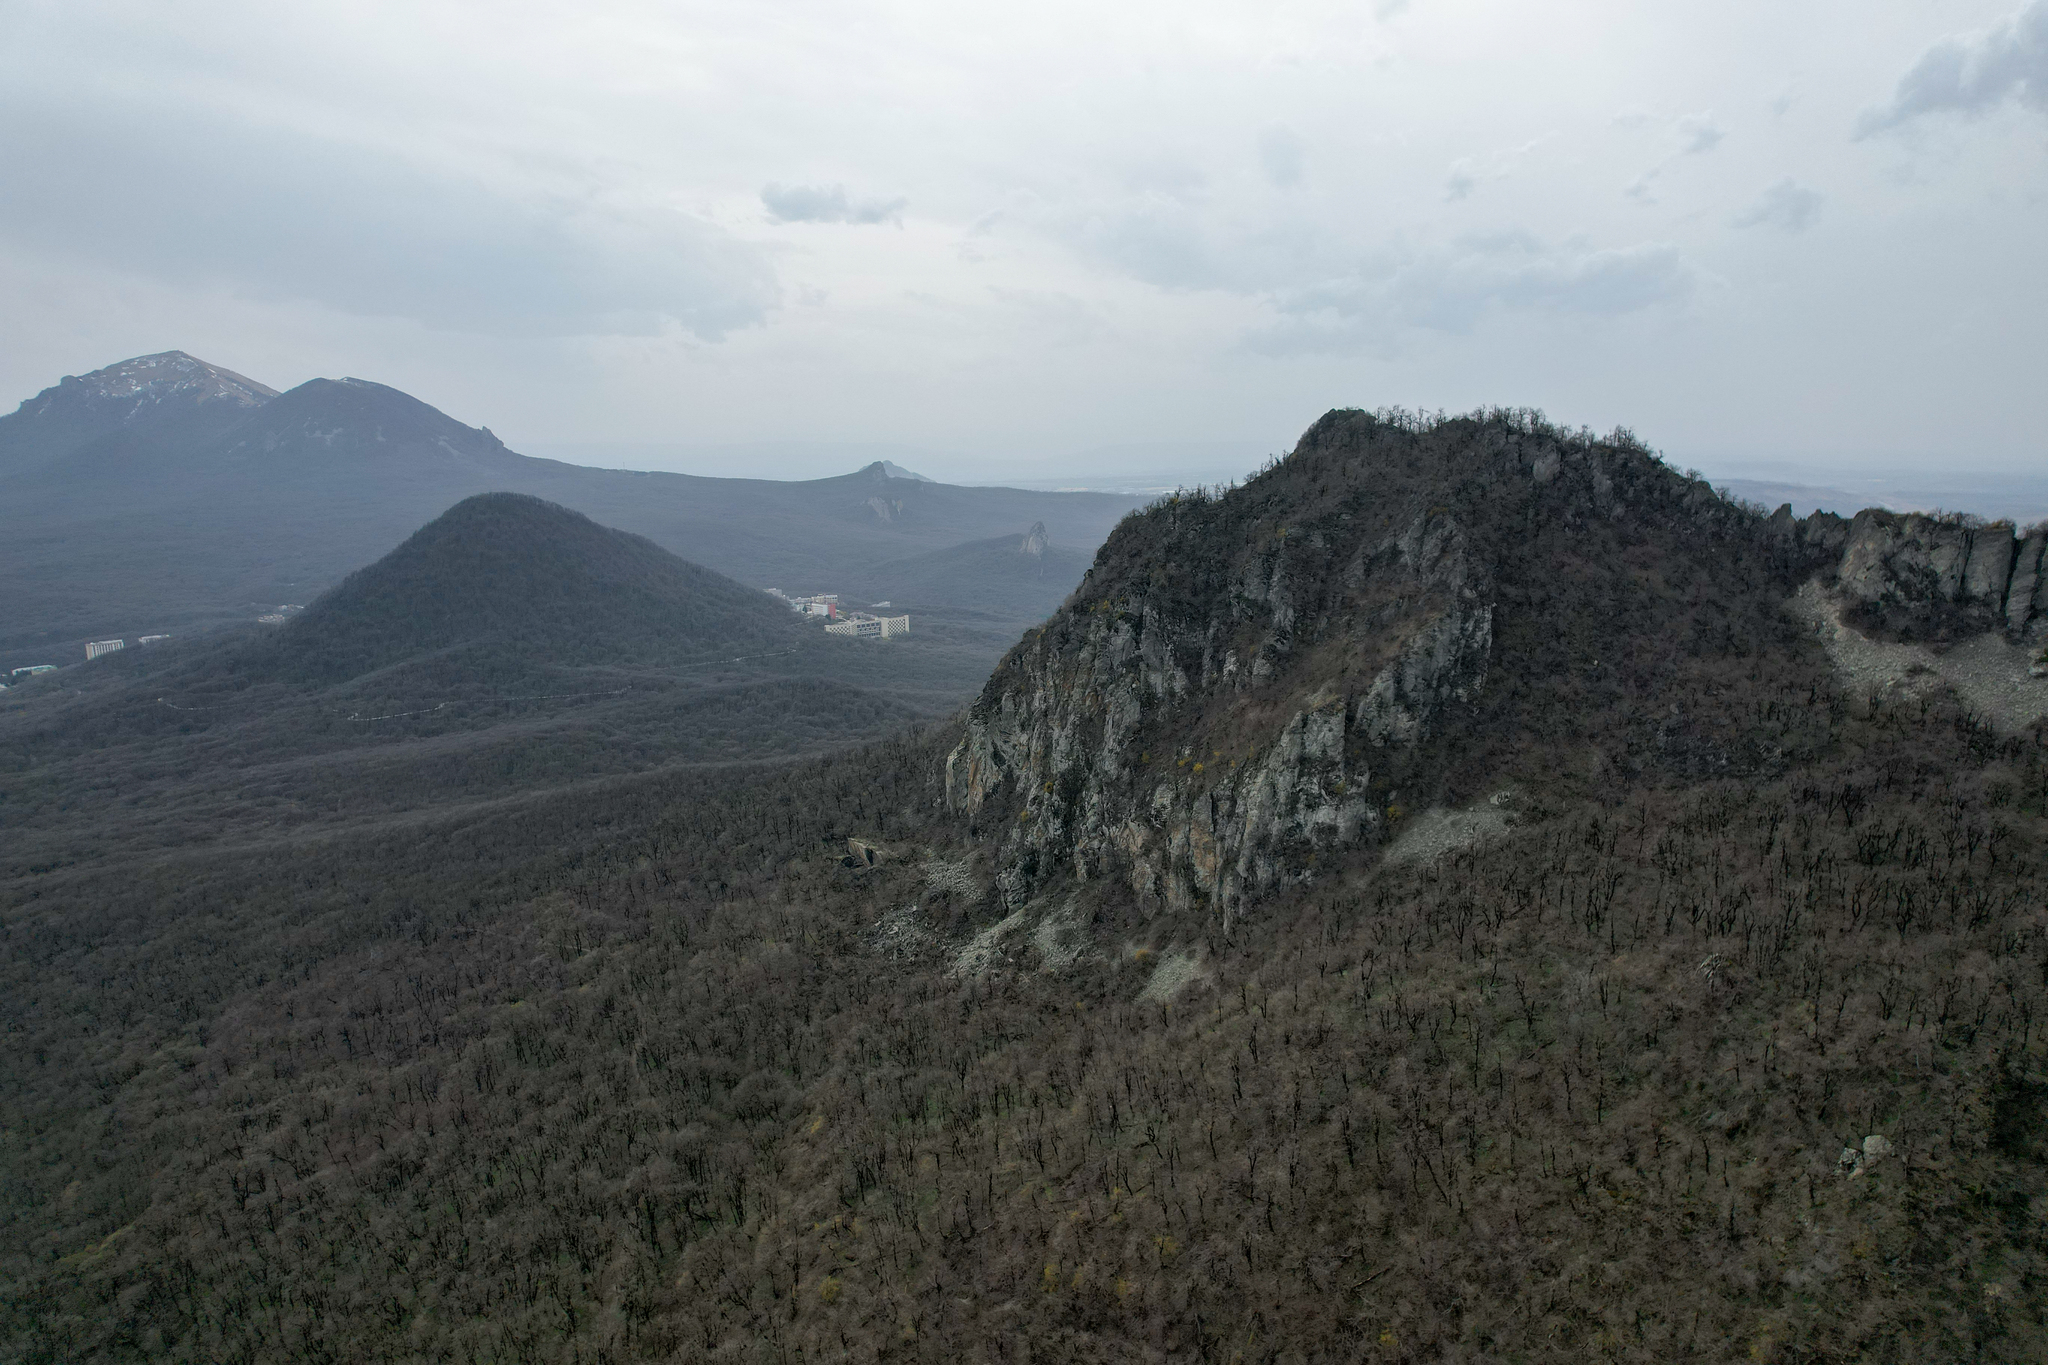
(267, 213)
(1700, 134)
(1054, 313)
(1466, 174)
(1158, 243)
(1283, 157)
(1166, 243)
(828, 204)
(1452, 291)
(1787, 206)
(1972, 75)
(1167, 177)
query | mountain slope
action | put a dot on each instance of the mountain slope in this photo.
(510, 645)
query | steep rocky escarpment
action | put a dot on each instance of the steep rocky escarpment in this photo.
(1248, 685)
(1941, 578)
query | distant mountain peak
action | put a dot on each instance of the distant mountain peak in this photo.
(1035, 540)
(168, 376)
(166, 396)
(889, 469)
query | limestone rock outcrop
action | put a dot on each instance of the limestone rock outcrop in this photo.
(1193, 824)
(1936, 565)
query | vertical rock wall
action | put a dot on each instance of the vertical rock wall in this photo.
(1913, 561)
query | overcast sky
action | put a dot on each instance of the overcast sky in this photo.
(1752, 232)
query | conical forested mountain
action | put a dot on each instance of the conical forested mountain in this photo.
(520, 575)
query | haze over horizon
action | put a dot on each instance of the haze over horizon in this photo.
(1058, 241)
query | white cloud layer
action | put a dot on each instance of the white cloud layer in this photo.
(1019, 232)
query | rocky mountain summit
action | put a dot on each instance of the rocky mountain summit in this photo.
(1243, 683)
(164, 378)
(1245, 686)
(168, 390)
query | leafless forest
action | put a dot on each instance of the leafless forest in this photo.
(1728, 1047)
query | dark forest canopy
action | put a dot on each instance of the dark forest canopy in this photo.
(1156, 1008)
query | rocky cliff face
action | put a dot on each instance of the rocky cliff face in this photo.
(1932, 575)
(1193, 824)
(1234, 694)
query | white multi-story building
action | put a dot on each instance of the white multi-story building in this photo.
(95, 648)
(864, 626)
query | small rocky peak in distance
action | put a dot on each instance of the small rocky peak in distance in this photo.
(151, 382)
(1035, 540)
(883, 470)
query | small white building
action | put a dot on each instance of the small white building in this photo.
(33, 669)
(152, 639)
(95, 648)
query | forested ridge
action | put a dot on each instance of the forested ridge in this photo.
(1730, 1050)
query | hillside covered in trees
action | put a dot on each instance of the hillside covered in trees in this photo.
(511, 646)
(1470, 892)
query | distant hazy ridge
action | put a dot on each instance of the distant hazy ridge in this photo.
(164, 493)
